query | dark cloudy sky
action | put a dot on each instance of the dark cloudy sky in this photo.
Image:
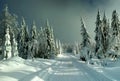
(64, 15)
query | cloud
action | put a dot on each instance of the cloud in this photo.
(64, 15)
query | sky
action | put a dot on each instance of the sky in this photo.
(63, 15)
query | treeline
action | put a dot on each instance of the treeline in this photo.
(29, 43)
(107, 39)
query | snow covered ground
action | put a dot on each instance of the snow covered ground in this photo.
(111, 70)
(65, 67)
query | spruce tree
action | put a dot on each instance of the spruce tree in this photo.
(34, 41)
(33, 31)
(60, 47)
(50, 41)
(14, 47)
(115, 38)
(7, 45)
(7, 19)
(76, 48)
(98, 36)
(85, 45)
(57, 46)
(105, 33)
(115, 24)
(42, 43)
(23, 40)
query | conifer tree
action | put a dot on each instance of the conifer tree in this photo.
(33, 31)
(14, 47)
(23, 40)
(60, 47)
(76, 48)
(115, 24)
(85, 45)
(7, 20)
(57, 46)
(42, 43)
(98, 36)
(34, 42)
(105, 33)
(115, 38)
(50, 41)
(7, 45)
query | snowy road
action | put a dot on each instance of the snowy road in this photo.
(64, 68)
(70, 69)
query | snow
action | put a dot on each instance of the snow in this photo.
(66, 67)
(111, 70)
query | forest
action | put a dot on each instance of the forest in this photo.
(34, 42)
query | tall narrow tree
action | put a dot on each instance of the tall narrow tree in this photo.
(7, 20)
(115, 24)
(14, 47)
(23, 40)
(34, 41)
(7, 45)
(85, 45)
(105, 33)
(98, 36)
(50, 41)
(115, 38)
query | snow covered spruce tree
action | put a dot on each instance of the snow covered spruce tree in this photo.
(76, 48)
(14, 47)
(105, 35)
(42, 43)
(85, 45)
(34, 41)
(7, 45)
(58, 47)
(23, 40)
(98, 37)
(115, 37)
(7, 19)
(50, 41)
(115, 24)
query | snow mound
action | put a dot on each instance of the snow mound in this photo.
(7, 65)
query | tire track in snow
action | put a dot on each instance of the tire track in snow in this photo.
(40, 75)
(66, 71)
(91, 74)
(65, 65)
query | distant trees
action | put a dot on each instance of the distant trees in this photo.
(59, 47)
